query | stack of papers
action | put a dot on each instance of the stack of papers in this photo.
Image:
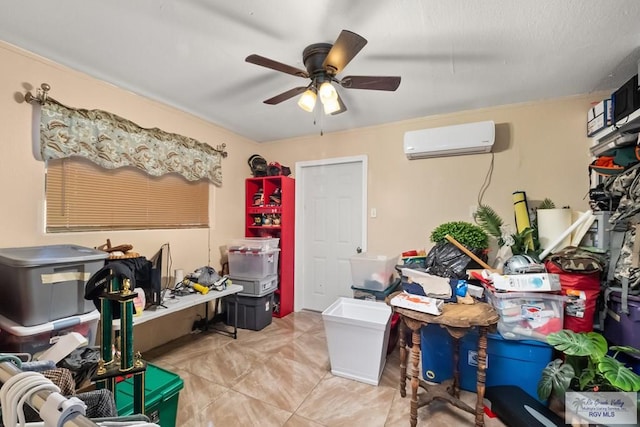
(418, 303)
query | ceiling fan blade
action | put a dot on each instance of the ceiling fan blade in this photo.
(345, 48)
(285, 95)
(275, 65)
(343, 107)
(389, 83)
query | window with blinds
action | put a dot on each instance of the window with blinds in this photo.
(82, 196)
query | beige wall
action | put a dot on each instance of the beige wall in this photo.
(541, 148)
(22, 176)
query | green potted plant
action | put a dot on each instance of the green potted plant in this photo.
(446, 259)
(587, 366)
(470, 235)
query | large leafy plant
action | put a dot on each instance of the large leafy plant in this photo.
(470, 235)
(524, 242)
(587, 366)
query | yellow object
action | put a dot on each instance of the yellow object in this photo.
(200, 288)
(197, 287)
(521, 211)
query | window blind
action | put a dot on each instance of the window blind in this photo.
(82, 196)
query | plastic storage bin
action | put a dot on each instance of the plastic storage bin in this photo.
(161, 393)
(254, 244)
(253, 265)
(621, 328)
(44, 283)
(15, 338)
(419, 261)
(357, 336)
(509, 362)
(256, 287)
(377, 295)
(254, 313)
(373, 272)
(528, 315)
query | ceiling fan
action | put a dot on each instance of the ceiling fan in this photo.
(323, 62)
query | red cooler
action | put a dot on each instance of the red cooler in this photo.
(582, 290)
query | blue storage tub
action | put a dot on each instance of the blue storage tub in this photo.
(509, 362)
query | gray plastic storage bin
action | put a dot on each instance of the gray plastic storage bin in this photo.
(254, 313)
(256, 287)
(44, 283)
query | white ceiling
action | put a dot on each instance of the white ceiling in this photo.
(452, 55)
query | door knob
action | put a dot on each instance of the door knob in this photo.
(359, 250)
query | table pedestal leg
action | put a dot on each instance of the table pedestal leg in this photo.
(456, 371)
(482, 365)
(403, 359)
(415, 358)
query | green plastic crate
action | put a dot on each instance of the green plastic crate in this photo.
(161, 391)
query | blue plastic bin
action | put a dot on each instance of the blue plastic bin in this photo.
(509, 362)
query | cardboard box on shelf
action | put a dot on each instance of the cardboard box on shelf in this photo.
(532, 282)
(599, 117)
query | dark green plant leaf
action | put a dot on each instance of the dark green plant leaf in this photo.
(547, 204)
(579, 344)
(618, 374)
(488, 220)
(556, 378)
(526, 243)
(586, 377)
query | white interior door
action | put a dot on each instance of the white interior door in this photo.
(330, 227)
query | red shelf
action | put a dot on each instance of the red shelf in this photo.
(264, 209)
(264, 227)
(285, 212)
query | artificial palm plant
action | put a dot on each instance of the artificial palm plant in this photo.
(489, 220)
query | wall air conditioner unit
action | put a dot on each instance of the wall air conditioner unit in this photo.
(468, 138)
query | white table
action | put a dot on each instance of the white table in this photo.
(174, 304)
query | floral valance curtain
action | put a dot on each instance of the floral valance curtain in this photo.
(112, 142)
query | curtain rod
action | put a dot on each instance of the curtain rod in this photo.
(8, 370)
(42, 94)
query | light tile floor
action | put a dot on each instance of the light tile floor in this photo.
(280, 376)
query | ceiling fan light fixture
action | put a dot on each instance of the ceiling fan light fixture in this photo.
(327, 92)
(307, 100)
(331, 106)
(323, 62)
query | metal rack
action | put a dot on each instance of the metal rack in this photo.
(8, 370)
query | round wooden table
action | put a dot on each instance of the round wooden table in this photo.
(457, 319)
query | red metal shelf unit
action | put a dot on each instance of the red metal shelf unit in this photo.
(260, 205)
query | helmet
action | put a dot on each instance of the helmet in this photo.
(522, 264)
(276, 169)
(258, 165)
